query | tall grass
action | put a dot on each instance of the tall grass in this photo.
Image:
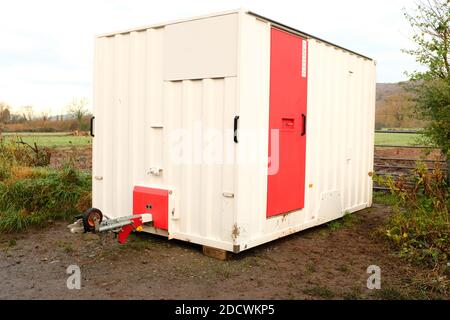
(420, 226)
(34, 195)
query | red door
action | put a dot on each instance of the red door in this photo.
(287, 123)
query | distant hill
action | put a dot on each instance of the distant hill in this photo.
(394, 108)
(386, 89)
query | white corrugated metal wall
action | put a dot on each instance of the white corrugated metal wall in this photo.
(142, 119)
(340, 133)
(127, 108)
(203, 111)
(137, 111)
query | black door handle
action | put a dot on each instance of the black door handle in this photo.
(303, 124)
(236, 119)
(91, 129)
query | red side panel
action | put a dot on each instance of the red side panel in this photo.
(287, 123)
(154, 201)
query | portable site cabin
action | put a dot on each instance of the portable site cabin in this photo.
(231, 129)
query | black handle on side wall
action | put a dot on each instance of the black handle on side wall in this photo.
(304, 124)
(91, 129)
(236, 119)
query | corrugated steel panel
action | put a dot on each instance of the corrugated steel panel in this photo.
(236, 11)
(145, 124)
(302, 33)
(198, 110)
(137, 118)
(340, 131)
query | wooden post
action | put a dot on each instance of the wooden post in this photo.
(216, 253)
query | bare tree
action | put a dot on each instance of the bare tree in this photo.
(16, 118)
(5, 115)
(3, 105)
(77, 109)
(45, 114)
(28, 112)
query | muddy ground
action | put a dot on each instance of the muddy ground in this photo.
(327, 262)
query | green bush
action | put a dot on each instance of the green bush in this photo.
(31, 195)
(419, 227)
(35, 200)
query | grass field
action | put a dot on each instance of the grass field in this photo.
(396, 139)
(59, 139)
(53, 140)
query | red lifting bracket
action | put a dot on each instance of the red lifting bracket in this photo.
(135, 225)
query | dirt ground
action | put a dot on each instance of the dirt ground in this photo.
(412, 153)
(327, 262)
(80, 156)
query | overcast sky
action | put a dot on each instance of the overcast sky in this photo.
(46, 46)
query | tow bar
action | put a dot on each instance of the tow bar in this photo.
(92, 221)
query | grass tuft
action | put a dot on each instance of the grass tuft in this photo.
(385, 198)
(319, 291)
(346, 221)
(389, 294)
